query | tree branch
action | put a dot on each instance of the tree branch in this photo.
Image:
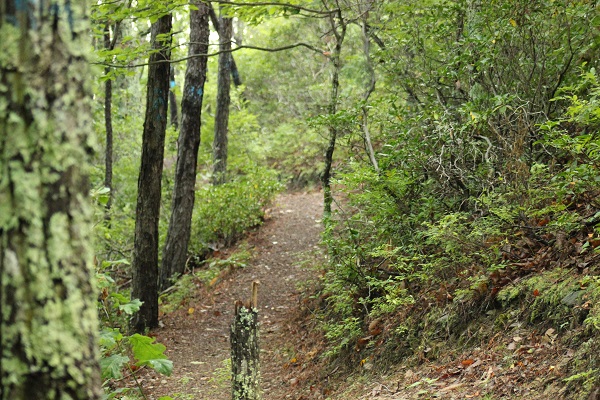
(269, 3)
(216, 53)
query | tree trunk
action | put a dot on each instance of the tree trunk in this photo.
(145, 252)
(370, 88)
(173, 110)
(235, 74)
(108, 154)
(48, 315)
(223, 100)
(174, 119)
(178, 235)
(339, 33)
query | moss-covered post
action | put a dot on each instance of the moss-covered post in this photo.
(47, 300)
(245, 365)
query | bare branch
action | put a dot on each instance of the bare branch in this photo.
(269, 3)
(216, 53)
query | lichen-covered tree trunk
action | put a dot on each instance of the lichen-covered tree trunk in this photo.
(48, 306)
(178, 235)
(145, 252)
(223, 101)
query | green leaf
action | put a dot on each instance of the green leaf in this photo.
(144, 348)
(109, 337)
(151, 354)
(111, 366)
(132, 307)
(121, 299)
(164, 367)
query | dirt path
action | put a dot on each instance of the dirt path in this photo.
(198, 340)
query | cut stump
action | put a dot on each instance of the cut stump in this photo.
(245, 365)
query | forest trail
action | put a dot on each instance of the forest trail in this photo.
(197, 335)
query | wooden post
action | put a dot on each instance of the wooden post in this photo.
(245, 366)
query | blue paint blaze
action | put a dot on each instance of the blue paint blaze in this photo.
(158, 103)
(194, 91)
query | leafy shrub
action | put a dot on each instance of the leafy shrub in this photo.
(222, 213)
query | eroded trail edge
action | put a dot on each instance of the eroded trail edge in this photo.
(197, 335)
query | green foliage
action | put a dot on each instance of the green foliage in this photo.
(342, 334)
(119, 351)
(222, 213)
(146, 352)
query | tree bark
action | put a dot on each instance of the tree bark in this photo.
(223, 101)
(339, 30)
(173, 117)
(108, 154)
(370, 88)
(178, 235)
(173, 110)
(235, 74)
(245, 349)
(145, 252)
(48, 316)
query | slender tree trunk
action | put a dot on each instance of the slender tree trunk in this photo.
(145, 252)
(173, 110)
(223, 101)
(48, 302)
(178, 235)
(339, 30)
(370, 88)
(173, 102)
(235, 74)
(108, 155)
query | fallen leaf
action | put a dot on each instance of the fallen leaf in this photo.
(475, 364)
(451, 387)
(467, 362)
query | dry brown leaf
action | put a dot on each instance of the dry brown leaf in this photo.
(452, 387)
